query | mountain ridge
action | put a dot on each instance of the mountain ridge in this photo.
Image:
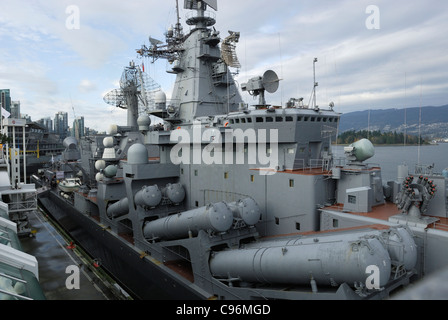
(429, 121)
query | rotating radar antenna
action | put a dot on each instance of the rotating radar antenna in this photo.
(257, 86)
(136, 93)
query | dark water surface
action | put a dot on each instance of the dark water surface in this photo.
(389, 157)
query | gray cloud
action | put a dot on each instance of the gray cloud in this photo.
(401, 64)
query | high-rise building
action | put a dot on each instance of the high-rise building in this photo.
(78, 128)
(15, 109)
(47, 123)
(5, 99)
(61, 124)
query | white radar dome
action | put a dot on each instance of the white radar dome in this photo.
(160, 97)
(108, 142)
(99, 177)
(113, 129)
(144, 121)
(100, 165)
(138, 154)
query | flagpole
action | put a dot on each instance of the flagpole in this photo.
(1, 118)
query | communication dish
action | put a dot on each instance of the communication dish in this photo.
(270, 81)
(258, 85)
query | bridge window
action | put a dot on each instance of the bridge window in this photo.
(351, 199)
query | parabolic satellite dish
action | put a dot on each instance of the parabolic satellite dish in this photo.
(270, 81)
(257, 86)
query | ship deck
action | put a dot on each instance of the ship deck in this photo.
(385, 211)
(315, 171)
(305, 171)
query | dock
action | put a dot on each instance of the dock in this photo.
(58, 257)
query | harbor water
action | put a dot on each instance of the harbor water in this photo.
(390, 157)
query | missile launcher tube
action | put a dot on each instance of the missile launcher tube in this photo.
(174, 192)
(216, 217)
(148, 196)
(402, 247)
(247, 210)
(328, 263)
(398, 242)
(118, 209)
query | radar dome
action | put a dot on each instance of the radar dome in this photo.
(100, 165)
(110, 171)
(113, 129)
(108, 142)
(99, 177)
(144, 121)
(160, 97)
(137, 154)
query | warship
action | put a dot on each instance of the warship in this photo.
(19, 271)
(221, 200)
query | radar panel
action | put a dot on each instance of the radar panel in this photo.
(134, 82)
(228, 50)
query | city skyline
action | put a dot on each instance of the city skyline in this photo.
(59, 124)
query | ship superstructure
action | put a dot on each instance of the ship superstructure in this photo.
(227, 201)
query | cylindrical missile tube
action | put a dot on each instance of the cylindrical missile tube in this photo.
(215, 217)
(175, 192)
(398, 242)
(328, 263)
(148, 196)
(401, 247)
(118, 209)
(246, 210)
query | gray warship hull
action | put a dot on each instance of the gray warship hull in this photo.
(141, 278)
(226, 201)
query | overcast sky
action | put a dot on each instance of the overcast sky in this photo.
(395, 56)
